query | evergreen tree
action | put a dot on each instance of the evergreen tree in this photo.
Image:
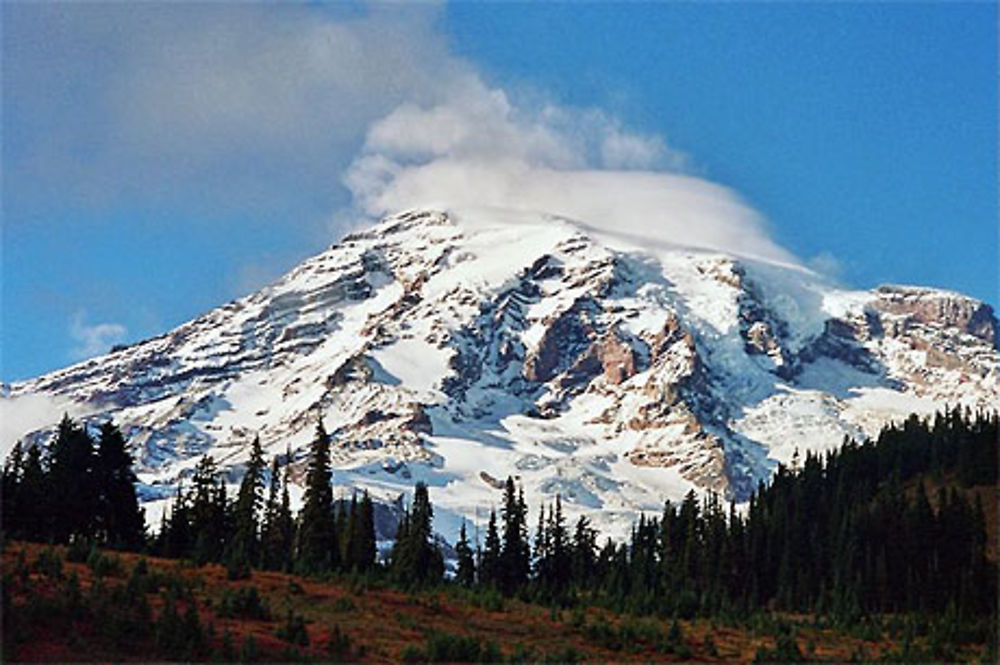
(72, 494)
(10, 503)
(270, 552)
(584, 553)
(120, 520)
(466, 571)
(245, 545)
(515, 555)
(489, 570)
(286, 532)
(366, 548)
(416, 558)
(209, 512)
(318, 548)
(558, 551)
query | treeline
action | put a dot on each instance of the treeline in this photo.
(257, 528)
(80, 488)
(849, 533)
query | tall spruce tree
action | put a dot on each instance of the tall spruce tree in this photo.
(489, 569)
(10, 495)
(416, 558)
(244, 549)
(318, 548)
(72, 493)
(465, 573)
(269, 552)
(366, 550)
(120, 520)
(515, 555)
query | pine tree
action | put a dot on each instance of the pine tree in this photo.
(72, 494)
(10, 503)
(318, 547)
(515, 555)
(416, 558)
(558, 546)
(489, 570)
(366, 549)
(270, 555)
(245, 545)
(285, 526)
(466, 572)
(208, 508)
(584, 553)
(120, 520)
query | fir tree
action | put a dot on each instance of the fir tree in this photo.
(245, 546)
(416, 559)
(318, 548)
(120, 521)
(489, 570)
(515, 555)
(466, 571)
(72, 494)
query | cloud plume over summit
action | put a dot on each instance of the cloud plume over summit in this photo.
(286, 112)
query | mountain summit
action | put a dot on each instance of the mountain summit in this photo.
(462, 347)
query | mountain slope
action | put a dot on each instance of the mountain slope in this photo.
(458, 348)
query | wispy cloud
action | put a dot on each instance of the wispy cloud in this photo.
(92, 340)
(27, 413)
(479, 149)
(257, 109)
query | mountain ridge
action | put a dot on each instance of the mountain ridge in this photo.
(460, 347)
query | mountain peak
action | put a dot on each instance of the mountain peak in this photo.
(456, 346)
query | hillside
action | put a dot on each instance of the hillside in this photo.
(45, 620)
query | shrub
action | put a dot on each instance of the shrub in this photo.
(49, 563)
(338, 645)
(104, 565)
(441, 647)
(243, 603)
(293, 630)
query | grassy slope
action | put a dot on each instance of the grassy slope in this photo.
(385, 621)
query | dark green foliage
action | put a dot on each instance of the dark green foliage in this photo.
(466, 571)
(442, 647)
(489, 567)
(515, 553)
(244, 546)
(49, 563)
(318, 548)
(119, 521)
(278, 530)
(243, 603)
(104, 565)
(416, 559)
(338, 645)
(293, 630)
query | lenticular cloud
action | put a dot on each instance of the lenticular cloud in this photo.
(480, 150)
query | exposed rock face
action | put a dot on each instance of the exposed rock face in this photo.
(461, 352)
(938, 309)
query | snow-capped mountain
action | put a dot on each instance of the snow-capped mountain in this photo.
(460, 348)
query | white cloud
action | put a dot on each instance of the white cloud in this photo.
(275, 108)
(214, 107)
(92, 340)
(477, 149)
(26, 413)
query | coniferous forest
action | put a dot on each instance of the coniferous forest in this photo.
(887, 531)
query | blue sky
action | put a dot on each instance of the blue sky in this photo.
(160, 160)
